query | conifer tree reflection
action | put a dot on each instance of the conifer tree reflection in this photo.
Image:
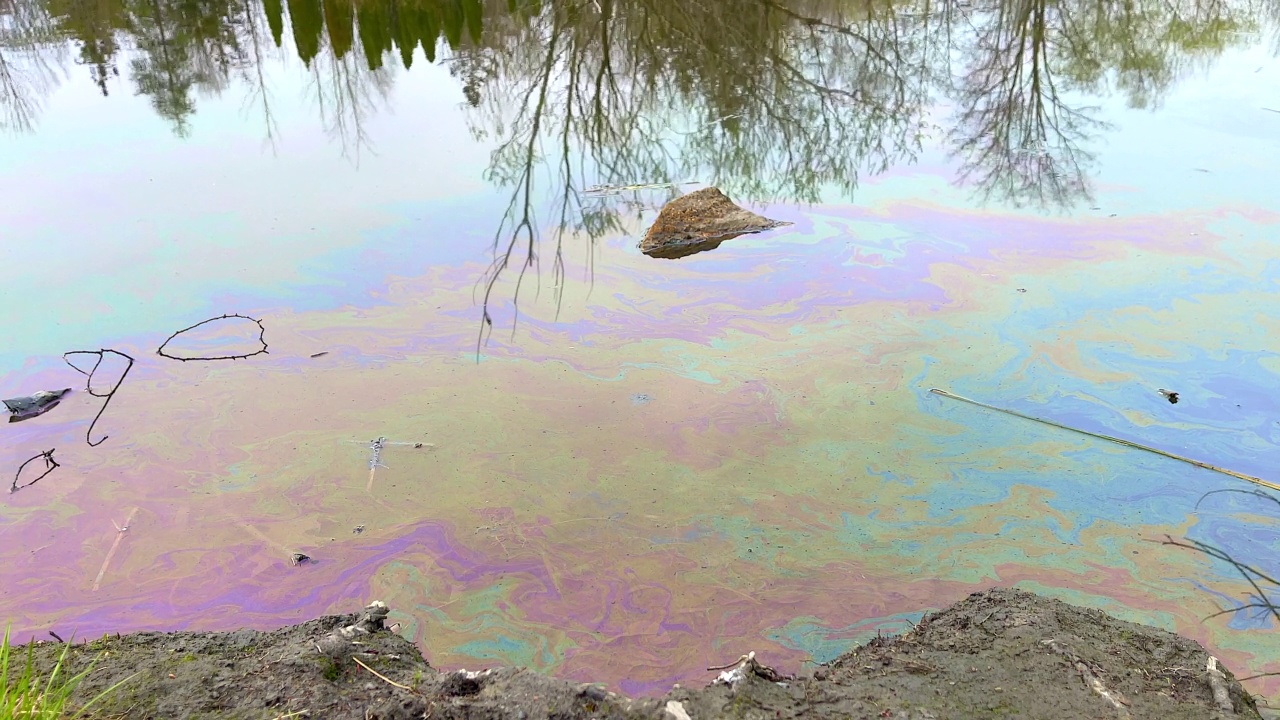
(93, 26)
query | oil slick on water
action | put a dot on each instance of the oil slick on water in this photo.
(652, 466)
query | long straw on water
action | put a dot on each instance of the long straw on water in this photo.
(262, 536)
(120, 531)
(1116, 440)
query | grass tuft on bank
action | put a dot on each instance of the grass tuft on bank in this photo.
(27, 694)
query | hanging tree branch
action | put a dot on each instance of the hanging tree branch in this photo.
(1261, 582)
(262, 332)
(49, 466)
(1255, 577)
(89, 385)
(1256, 493)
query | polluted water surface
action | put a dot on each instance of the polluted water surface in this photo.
(634, 468)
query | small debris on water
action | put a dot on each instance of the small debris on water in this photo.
(299, 558)
(320, 354)
(417, 446)
(641, 399)
(618, 189)
(1022, 290)
(358, 529)
(38, 403)
(1169, 395)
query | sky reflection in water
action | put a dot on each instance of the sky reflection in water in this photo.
(787, 486)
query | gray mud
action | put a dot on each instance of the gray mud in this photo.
(999, 654)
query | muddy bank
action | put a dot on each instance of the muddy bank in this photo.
(998, 654)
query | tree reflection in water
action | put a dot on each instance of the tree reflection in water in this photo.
(768, 99)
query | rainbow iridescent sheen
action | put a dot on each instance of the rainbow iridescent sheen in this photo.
(785, 484)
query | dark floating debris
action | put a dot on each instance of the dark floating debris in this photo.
(262, 331)
(88, 384)
(358, 529)
(34, 405)
(299, 558)
(49, 466)
(1169, 395)
(319, 354)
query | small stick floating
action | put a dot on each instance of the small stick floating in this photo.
(120, 531)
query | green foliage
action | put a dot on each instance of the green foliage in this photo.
(761, 73)
(27, 694)
(307, 20)
(329, 669)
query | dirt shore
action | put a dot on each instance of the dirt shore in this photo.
(997, 654)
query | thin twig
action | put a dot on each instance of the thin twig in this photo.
(1259, 675)
(1251, 574)
(1092, 680)
(1255, 493)
(89, 384)
(1118, 441)
(262, 332)
(1249, 606)
(49, 463)
(735, 663)
(384, 678)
